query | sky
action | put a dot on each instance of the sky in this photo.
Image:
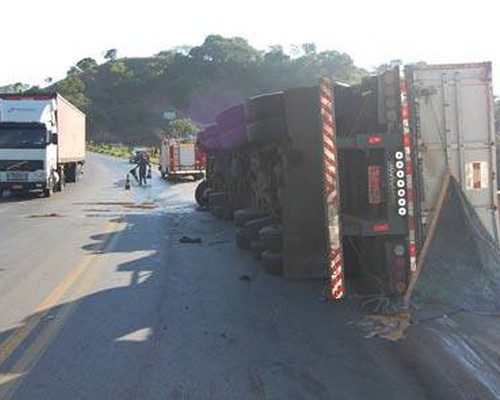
(42, 39)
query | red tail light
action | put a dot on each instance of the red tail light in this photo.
(374, 140)
(382, 228)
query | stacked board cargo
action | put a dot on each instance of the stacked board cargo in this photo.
(42, 143)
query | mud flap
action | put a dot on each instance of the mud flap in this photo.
(311, 240)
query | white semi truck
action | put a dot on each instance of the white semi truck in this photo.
(42, 143)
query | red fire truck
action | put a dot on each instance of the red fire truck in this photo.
(180, 158)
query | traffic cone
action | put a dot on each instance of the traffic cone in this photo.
(127, 183)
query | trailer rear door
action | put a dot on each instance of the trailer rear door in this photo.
(453, 121)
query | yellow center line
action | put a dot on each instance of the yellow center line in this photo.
(10, 381)
(8, 347)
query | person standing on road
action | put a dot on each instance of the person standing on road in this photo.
(143, 165)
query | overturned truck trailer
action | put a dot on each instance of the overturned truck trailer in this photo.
(351, 174)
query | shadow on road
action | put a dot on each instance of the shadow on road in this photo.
(167, 320)
(102, 338)
(19, 198)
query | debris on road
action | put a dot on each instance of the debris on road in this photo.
(391, 326)
(187, 239)
(48, 215)
(142, 206)
(246, 278)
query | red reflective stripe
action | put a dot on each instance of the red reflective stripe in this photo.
(405, 116)
(411, 224)
(405, 113)
(28, 96)
(409, 168)
(326, 94)
(330, 178)
(412, 249)
(329, 147)
(406, 140)
(382, 228)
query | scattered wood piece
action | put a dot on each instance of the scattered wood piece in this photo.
(187, 239)
(48, 215)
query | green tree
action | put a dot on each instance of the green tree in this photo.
(117, 67)
(18, 87)
(73, 71)
(309, 49)
(86, 64)
(219, 50)
(111, 54)
(181, 128)
(276, 56)
(73, 88)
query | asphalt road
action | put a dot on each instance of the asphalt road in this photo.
(100, 300)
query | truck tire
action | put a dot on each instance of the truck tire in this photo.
(267, 130)
(200, 193)
(62, 180)
(242, 239)
(272, 238)
(272, 262)
(241, 217)
(257, 247)
(217, 199)
(49, 190)
(264, 107)
(253, 227)
(250, 232)
(78, 172)
(70, 172)
(219, 212)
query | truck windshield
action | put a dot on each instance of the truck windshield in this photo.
(22, 138)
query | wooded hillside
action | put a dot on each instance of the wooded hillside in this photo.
(125, 98)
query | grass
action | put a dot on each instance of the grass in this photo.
(121, 151)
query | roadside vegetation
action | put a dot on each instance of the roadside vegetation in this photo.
(121, 151)
(127, 100)
(137, 100)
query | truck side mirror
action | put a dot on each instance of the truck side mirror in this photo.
(54, 139)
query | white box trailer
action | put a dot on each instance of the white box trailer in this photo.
(42, 142)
